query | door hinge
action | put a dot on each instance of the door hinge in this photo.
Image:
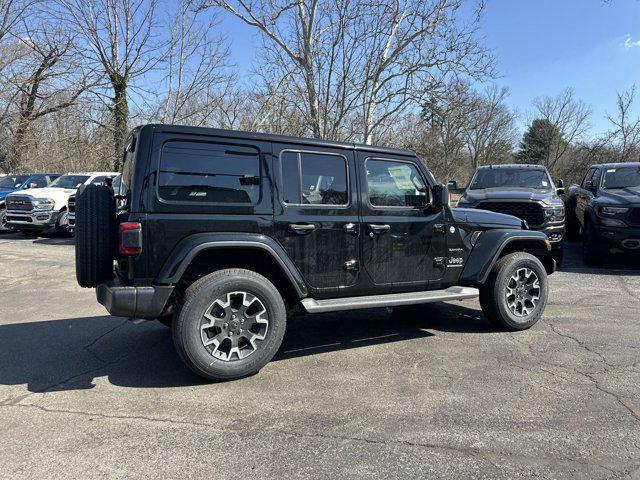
(351, 265)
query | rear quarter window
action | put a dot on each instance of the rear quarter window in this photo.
(206, 172)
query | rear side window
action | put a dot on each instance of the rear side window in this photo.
(395, 184)
(202, 172)
(314, 178)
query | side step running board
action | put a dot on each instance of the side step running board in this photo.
(388, 300)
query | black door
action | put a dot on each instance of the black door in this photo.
(585, 194)
(401, 236)
(316, 214)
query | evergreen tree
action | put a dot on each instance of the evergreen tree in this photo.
(539, 141)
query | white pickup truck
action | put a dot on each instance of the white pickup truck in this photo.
(42, 209)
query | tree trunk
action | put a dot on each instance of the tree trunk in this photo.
(120, 120)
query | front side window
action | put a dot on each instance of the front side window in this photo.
(199, 172)
(622, 177)
(510, 178)
(39, 182)
(587, 177)
(314, 178)
(395, 184)
(69, 181)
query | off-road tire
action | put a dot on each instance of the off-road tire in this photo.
(493, 298)
(198, 297)
(62, 228)
(95, 233)
(593, 252)
(3, 221)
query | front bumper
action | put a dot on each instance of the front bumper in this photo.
(555, 233)
(624, 238)
(32, 220)
(123, 300)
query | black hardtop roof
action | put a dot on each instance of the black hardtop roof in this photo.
(512, 165)
(269, 137)
(616, 165)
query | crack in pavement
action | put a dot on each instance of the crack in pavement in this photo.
(585, 374)
(564, 462)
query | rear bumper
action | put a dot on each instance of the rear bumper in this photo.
(133, 302)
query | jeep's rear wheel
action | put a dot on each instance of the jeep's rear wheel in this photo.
(230, 325)
(95, 235)
(515, 294)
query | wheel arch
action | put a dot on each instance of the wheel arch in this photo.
(495, 244)
(202, 253)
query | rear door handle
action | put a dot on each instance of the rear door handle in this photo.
(301, 228)
(375, 229)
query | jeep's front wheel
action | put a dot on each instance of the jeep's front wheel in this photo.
(515, 294)
(230, 325)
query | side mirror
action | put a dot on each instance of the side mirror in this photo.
(452, 185)
(560, 187)
(560, 183)
(440, 196)
(591, 186)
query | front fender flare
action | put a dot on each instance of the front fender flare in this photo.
(488, 248)
(189, 247)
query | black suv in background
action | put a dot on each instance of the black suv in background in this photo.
(605, 209)
(525, 191)
(220, 234)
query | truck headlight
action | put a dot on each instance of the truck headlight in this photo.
(555, 214)
(613, 211)
(44, 204)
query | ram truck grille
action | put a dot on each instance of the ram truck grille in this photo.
(531, 212)
(17, 203)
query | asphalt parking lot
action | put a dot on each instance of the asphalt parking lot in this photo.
(435, 393)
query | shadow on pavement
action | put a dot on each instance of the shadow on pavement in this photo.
(627, 263)
(61, 355)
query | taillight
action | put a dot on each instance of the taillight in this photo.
(130, 234)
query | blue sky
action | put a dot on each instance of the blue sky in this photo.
(541, 47)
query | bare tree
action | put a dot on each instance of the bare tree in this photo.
(359, 62)
(489, 130)
(116, 38)
(625, 136)
(568, 116)
(197, 68)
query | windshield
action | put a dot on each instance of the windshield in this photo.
(69, 181)
(621, 177)
(510, 177)
(12, 181)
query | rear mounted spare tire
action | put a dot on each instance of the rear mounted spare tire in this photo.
(95, 235)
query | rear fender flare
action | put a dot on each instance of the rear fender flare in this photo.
(182, 255)
(490, 245)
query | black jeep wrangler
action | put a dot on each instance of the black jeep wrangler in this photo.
(221, 234)
(605, 209)
(523, 190)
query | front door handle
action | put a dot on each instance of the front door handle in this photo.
(376, 229)
(351, 228)
(301, 228)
